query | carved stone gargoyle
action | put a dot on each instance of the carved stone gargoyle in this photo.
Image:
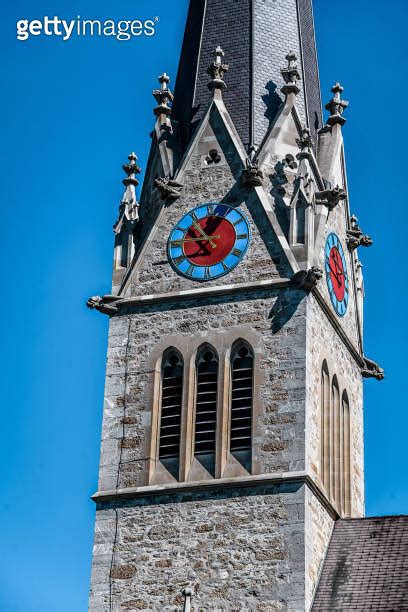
(372, 370)
(252, 176)
(307, 279)
(355, 236)
(105, 304)
(330, 197)
(169, 189)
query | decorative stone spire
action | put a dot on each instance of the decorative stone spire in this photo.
(129, 206)
(290, 75)
(216, 70)
(336, 106)
(163, 97)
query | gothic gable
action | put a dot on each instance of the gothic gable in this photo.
(211, 171)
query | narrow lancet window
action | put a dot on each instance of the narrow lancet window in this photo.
(335, 443)
(206, 407)
(325, 427)
(171, 405)
(346, 486)
(242, 366)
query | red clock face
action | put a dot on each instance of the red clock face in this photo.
(209, 240)
(337, 274)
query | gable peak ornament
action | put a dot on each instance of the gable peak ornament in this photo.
(291, 75)
(216, 70)
(336, 106)
(305, 141)
(252, 175)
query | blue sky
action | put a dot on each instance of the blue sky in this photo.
(72, 111)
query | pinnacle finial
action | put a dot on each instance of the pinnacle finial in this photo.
(129, 206)
(336, 106)
(131, 170)
(290, 75)
(163, 97)
(216, 70)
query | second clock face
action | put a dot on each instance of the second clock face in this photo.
(336, 274)
(209, 241)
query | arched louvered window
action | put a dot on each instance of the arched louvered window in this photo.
(242, 375)
(171, 405)
(206, 407)
(325, 427)
(346, 484)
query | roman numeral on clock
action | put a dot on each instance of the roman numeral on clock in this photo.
(236, 252)
(178, 260)
(242, 236)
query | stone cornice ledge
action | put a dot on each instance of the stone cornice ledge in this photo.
(110, 304)
(119, 495)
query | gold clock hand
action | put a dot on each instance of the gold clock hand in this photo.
(201, 239)
(202, 232)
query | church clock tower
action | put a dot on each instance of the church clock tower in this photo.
(232, 433)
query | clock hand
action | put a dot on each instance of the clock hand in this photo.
(337, 272)
(201, 239)
(336, 275)
(202, 232)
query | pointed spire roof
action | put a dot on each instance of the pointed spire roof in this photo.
(255, 36)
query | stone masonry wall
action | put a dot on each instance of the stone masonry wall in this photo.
(238, 550)
(136, 341)
(318, 530)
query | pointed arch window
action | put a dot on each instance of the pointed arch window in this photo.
(206, 407)
(325, 427)
(346, 476)
(171, 407)
(335, 442)
(242, 375)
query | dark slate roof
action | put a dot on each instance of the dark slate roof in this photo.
(256, 36)
(366, 567)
